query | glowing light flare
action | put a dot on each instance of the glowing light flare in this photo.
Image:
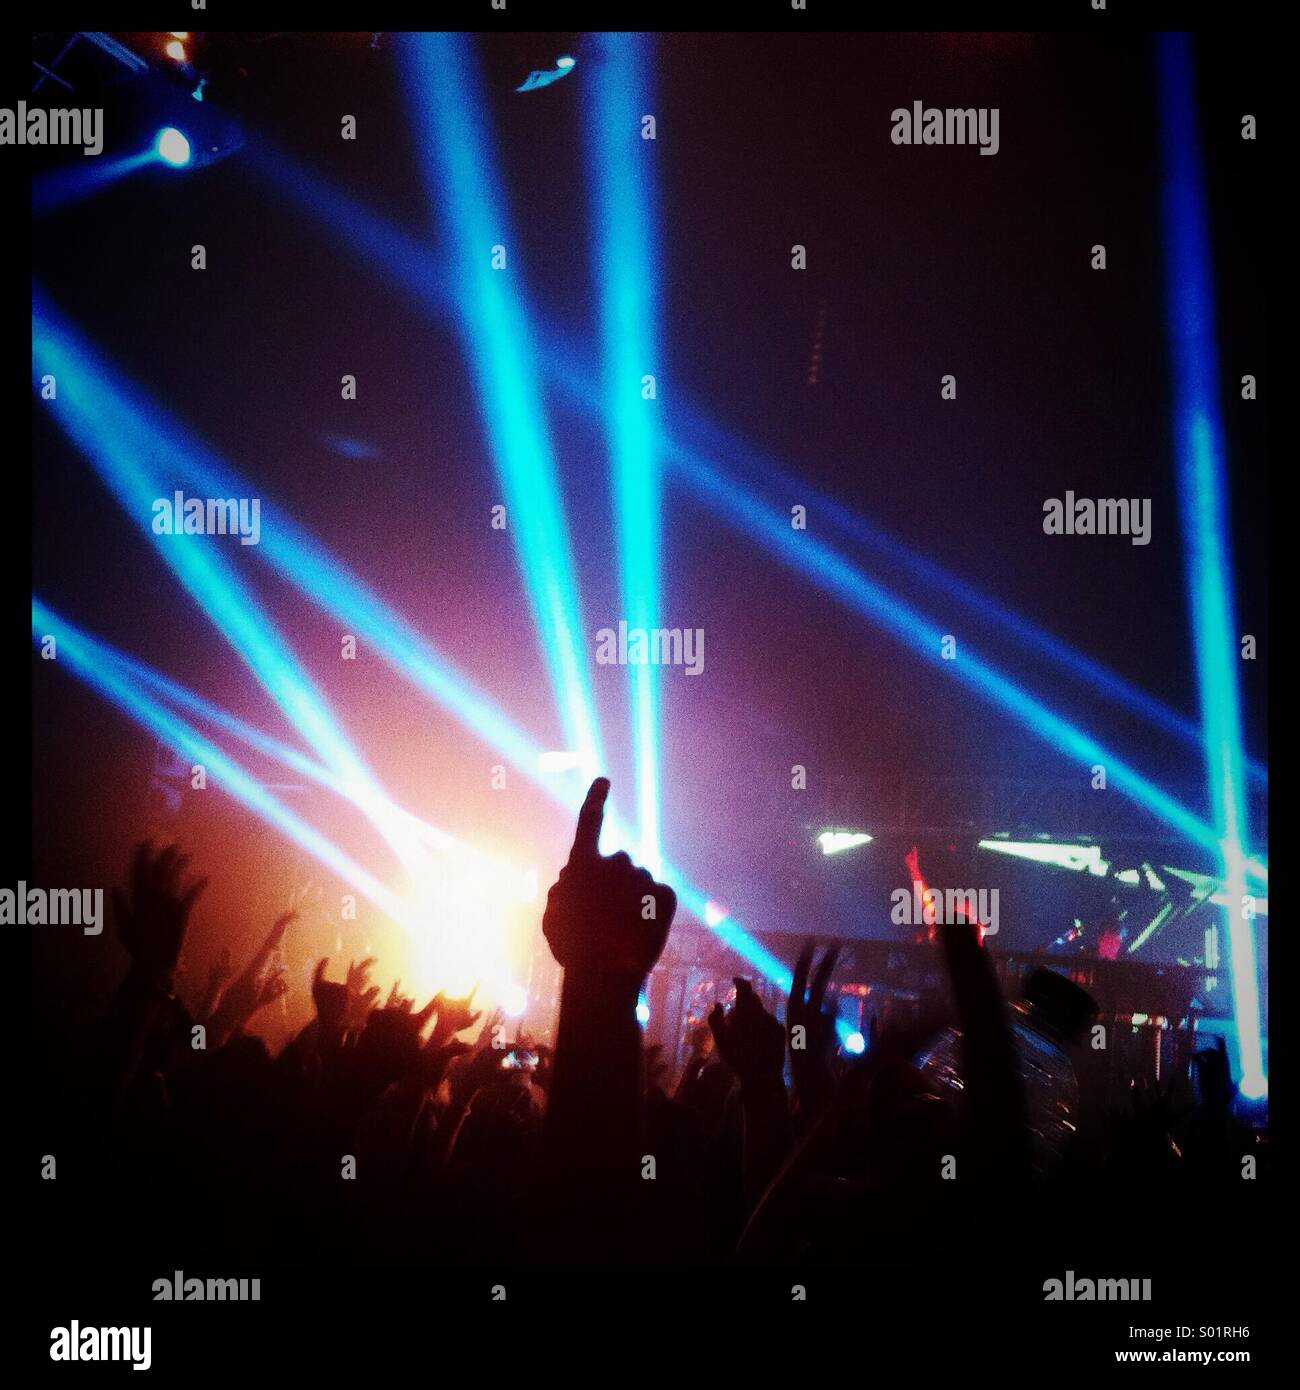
(172, 147)
(837, 841)
(1063, 856)
(466, 933)
(323, 577)
(459, 888)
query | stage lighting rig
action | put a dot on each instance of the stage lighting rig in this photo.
(543, 77)
(191, 131)
(534, 61)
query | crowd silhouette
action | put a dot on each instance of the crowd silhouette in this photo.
(405, 1133)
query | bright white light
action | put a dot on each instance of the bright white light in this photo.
(565, 62)
(172, 147)
(855, 1042)
(464, 914)
(836, 841)
(527, 889)
(514, 1000)
(642, 1012)
(1064, 856)
(558, 762)
(175, 49)
(714, 913)
(1254, 1087)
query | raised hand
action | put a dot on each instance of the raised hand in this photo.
(361, 993)
(752, 1043)
(259, 984)
(606, 923)
(604, 917)
(222, 969)
(331, 1002)
(271, 988)
(389, 1046)
(493, 1021)
(749, 1039)
(813, 1045)
(152, 922)
(454, 1016)
(993, 1096)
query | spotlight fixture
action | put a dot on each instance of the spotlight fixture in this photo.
(543, 77)
(172, 147)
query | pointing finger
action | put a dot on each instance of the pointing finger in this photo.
(586, 840)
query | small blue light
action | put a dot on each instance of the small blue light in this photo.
(172, 147)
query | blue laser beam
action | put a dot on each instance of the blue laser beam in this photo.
(922, 638)
(411, 264)
(835, 519)
(625, 215)
(108, 656)
(494, 325)
(327, 581)
(130, 448)
(119, 677)
(398, 246)
(1202, 490)
(62, 187)
(73, 649)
